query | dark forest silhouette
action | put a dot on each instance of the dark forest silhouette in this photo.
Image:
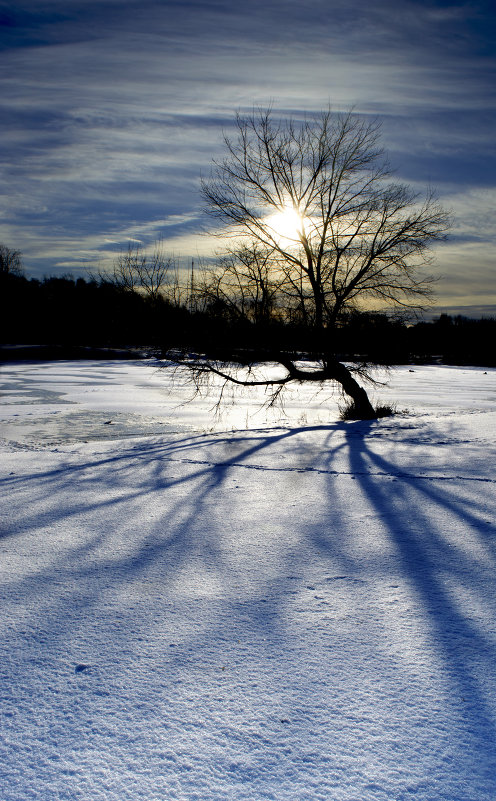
(69, 316)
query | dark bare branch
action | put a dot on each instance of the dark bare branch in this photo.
(362, 238)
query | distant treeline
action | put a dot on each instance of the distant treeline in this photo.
(74, 313)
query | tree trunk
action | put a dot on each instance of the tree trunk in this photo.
(363, 409)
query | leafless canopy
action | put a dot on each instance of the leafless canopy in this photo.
(361, 235)
(356, 235)
(10, 261)
(135, 268)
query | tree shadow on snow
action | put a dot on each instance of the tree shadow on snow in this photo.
(159, 511)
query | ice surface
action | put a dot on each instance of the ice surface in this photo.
(246, 608)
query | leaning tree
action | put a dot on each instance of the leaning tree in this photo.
(317, 227)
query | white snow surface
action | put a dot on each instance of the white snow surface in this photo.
(249, 607)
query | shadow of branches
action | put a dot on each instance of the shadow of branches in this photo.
(262, 545)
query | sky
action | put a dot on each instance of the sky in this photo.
(112, 110)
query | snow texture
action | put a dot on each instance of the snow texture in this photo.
(245, 608)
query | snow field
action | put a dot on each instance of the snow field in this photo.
(284, 611)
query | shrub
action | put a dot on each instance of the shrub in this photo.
(349, 412)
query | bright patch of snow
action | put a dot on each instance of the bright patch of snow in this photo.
(246, 608)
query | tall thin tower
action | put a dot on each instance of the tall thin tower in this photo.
(192, 287)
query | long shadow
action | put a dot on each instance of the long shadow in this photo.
(135, 477)
(182, 481)
(439, 572)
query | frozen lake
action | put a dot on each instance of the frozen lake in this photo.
(67, 402)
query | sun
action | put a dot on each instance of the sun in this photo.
(286, 224)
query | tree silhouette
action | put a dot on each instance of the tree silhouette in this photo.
(317, 228)
(10, 262)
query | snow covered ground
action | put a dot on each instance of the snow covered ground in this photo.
(251, 607)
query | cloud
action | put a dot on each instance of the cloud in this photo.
(467, 274)
(476, 211)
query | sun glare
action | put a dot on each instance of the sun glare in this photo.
(286, 224)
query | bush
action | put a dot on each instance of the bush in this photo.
(349, 412)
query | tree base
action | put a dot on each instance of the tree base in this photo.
(351, 412)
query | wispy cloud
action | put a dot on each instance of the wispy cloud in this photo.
(468, 276)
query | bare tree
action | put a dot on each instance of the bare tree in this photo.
(243, 286)
(138, 270)
(10, 261)
(320, 227)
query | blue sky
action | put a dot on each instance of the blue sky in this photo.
(112, 110)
